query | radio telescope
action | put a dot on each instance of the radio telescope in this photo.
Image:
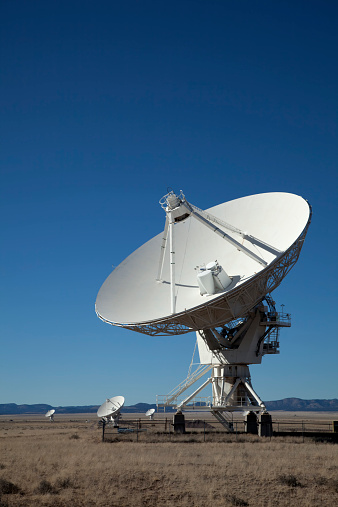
(110, 409)
(212, 272)
(50, 414)
(150, 413)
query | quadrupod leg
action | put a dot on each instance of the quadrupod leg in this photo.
(232, 392)
(232, 389)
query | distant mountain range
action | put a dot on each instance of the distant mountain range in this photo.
(296, 404)
(287, 404)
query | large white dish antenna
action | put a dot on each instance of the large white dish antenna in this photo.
(50, 413)
(255, 239)
(111, 406)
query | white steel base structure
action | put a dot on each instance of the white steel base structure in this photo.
(227, 353)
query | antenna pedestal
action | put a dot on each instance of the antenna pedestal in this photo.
(228, 352)
(232, 390)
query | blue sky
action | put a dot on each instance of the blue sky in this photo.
(106, 104)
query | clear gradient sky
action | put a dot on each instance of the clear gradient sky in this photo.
(106, 104)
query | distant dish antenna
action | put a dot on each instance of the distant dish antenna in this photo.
(212, 272)
(150, 413)
(50, 414)
(110, 409)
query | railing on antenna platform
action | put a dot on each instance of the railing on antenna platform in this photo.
(171, 399)
(271, 343)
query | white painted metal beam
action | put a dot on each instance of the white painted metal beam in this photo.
(163, 249)
(184, 402)
(224, 235)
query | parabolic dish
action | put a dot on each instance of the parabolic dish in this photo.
(151, 411)
(133, 297)
(50, 412)
(111, 406)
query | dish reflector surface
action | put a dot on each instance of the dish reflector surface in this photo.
(111, 406)
(132, 296)
(151, 411)
(50, 412)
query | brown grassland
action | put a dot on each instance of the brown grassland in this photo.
(65, 463)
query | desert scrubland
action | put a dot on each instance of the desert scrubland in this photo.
(65, 463)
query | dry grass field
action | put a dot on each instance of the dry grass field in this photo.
(65, 463)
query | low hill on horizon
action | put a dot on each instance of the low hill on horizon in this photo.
(287, 404)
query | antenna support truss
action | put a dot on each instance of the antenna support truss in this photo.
(228, 353)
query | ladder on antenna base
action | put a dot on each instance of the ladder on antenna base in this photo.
(224, 419)
(170, 399)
